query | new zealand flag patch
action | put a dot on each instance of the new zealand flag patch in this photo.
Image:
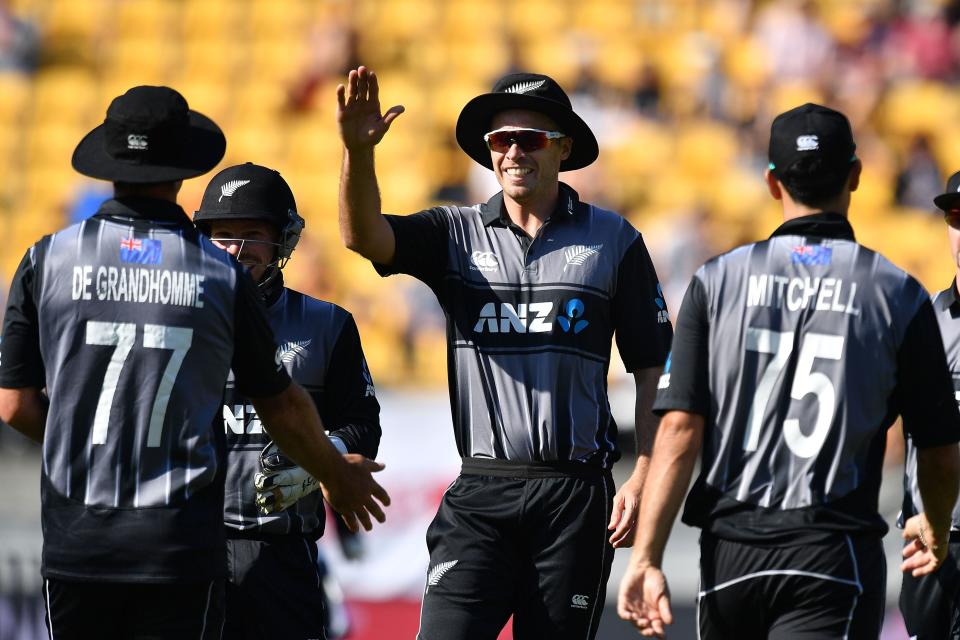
(811, 254)
(140, 250)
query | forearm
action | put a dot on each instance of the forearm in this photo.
(674, 457)
(645, 421)
(25, 410)
(292, 422)
(938, 477)
(362, 226)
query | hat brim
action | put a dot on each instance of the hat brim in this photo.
(204, 150)
(947, 201)
(474, 121)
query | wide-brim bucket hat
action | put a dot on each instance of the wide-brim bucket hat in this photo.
(150, 135)
(531, 92)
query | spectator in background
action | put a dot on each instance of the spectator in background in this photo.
(798, 46)
(19, 42)
(919, 179)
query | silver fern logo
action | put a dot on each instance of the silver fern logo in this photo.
(525, 87)
(439, 571)
(288, 352)
(229, 188)
(578, 254)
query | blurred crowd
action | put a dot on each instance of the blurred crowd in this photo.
(680, 93)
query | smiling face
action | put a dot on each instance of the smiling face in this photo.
(529, 177)
(251, 242)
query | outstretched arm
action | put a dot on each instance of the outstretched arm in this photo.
(362, 225)
(644, 598)
(346, 480)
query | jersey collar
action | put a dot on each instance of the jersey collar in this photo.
(947, 298)
(146, 209)
(272, 290)
(820, 225)
(493, 211)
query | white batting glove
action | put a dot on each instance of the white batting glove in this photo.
(280, 483)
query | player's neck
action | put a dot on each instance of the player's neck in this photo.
(530, 215)
(161, 191)
(793, 209)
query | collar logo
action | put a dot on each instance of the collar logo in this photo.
(137, 142)
(229, 188)
(525, 87)
(808, 143)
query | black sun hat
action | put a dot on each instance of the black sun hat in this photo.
(150, 135)
(531, 92)
(950, 199)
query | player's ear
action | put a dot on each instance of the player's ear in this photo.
(854, 180)
(773, 185)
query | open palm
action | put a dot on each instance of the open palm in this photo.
(358, 110)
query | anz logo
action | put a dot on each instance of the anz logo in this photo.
(530, 318)
(241, 419)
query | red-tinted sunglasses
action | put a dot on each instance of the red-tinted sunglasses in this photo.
(527, 139)
(952, 218)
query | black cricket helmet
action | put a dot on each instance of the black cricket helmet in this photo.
(251, 192)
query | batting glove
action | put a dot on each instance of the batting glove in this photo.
(280, 483)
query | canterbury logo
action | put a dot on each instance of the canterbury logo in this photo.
(525, 87)
(808, 143)
(439, 571)
(579, 253)
(229, 188)
(137, 142)
(290, 351)
(580, 602)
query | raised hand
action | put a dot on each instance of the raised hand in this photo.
(358, 111)
(352, 489)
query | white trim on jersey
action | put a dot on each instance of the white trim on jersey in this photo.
(206, 611)
(46, 586)
(779, 572)
(603, 559)
(856, 576)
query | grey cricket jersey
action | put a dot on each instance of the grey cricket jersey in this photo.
(947, 308)
(129, 320)
(800, 351)
(319, 346)
(530, 323)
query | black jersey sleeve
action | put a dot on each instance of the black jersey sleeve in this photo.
(924, 392)
(685, 385)
(255, 367)
(421, 245)
(350, 407)
(21, 364)
(641, 322)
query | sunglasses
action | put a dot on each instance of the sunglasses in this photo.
(527, 139)
(952, 218)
